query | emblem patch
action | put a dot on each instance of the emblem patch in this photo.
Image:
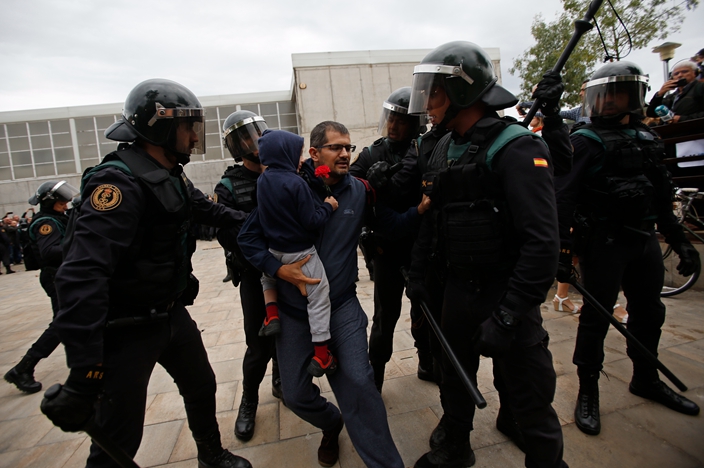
(106, 197)
(45, 230)
(215, 198)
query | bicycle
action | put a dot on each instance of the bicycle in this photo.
(687, 216)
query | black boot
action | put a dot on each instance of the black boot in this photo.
(378, 375)
(586, 412)
(276, 381)
(449, 449)
(658, 391)
(9, 270)
(212, 455)
(508, 426)
(244, 425)
(22, 375)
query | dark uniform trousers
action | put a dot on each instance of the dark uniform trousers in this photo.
(260, 349)
(525, 378)
(632, 262)
(49, 340)
(130, 354)
(388, 295)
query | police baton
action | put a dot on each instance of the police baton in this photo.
(469, 385)
(632, 341)
(580, 27)
(99, 436)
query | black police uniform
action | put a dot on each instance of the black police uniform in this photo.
(47, 232)
(121, 288)
(510, 265)
(260, 349)
(391, 252)
(616, 243)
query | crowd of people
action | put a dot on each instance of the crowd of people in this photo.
(474, 218)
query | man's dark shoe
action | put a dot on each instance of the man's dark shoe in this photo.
(270, 327)
(244, 425)
(22, 375)
(329, 450)
(212, 455)
(586, 411)
(659, 391)
(317, 367)
(9, 270)
(448, 455)
(508, 426)
(438, 436)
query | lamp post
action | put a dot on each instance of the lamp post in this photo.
(667, 53)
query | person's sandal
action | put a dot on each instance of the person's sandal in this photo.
(563, 304)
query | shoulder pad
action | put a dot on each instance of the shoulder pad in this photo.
(378, 142)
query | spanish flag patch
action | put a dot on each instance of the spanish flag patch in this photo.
(540, 162)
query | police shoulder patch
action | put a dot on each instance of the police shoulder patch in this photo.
(215, 198)
(106, 197)
(45, 229)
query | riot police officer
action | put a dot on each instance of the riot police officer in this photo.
(616, 193)
(390, 165)
(46, 233)
(494, 226)
(236, 190)
(127, 276)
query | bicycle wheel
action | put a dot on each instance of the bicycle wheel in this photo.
(674, 282)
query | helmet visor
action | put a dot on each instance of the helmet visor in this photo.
(615, 95)
(188, 129)
(64, 191)
(423, 86)
(242, 138)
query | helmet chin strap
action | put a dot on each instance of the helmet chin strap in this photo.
(251, 157)
(450, 114)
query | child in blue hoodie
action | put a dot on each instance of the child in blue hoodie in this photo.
(291, 216)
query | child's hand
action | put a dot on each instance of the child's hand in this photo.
(332, 202)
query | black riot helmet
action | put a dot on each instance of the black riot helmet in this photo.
(240, 133)
(395, 122)
(52, 191)
(615, 90)
(464, 70)
(154, 111)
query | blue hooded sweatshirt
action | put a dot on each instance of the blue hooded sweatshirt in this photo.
(289, 213)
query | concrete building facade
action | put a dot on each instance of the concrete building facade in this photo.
(349, 87)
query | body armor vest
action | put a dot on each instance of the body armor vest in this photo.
(156, 266)
(629, 182)
(475, 234)
(242, 187)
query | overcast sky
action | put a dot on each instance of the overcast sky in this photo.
(58, 53)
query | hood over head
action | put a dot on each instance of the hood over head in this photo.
(280, 149)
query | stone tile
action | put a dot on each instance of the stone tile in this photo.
(20, 405)
(505, 455)
(161, 382)
(622, 443)
(226, 352)
(157, 443)
(693, 350)
(23, 433)
(227, 371)
(49, 456)
(79, 457)
(291, 426)
(225, 396)
(411, 432)
(57, 435)
(679, 430)
(266, 429)
(165, 407)
(408, 393)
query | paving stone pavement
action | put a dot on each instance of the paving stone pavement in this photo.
(636, 432)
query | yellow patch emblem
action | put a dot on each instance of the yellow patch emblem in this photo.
(215, 198)
(106, 197)
(45, 230)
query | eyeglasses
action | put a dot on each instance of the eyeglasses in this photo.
(338, 148)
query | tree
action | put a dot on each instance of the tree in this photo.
(644, 21)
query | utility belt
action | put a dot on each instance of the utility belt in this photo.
(144, 315)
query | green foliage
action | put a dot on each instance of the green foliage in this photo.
(645, 21)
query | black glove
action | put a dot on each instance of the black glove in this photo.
(416, 291)
(689, 258)
(381, 172)
(565, 270)
(495, 335)
(549, 92)
(72, 405)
